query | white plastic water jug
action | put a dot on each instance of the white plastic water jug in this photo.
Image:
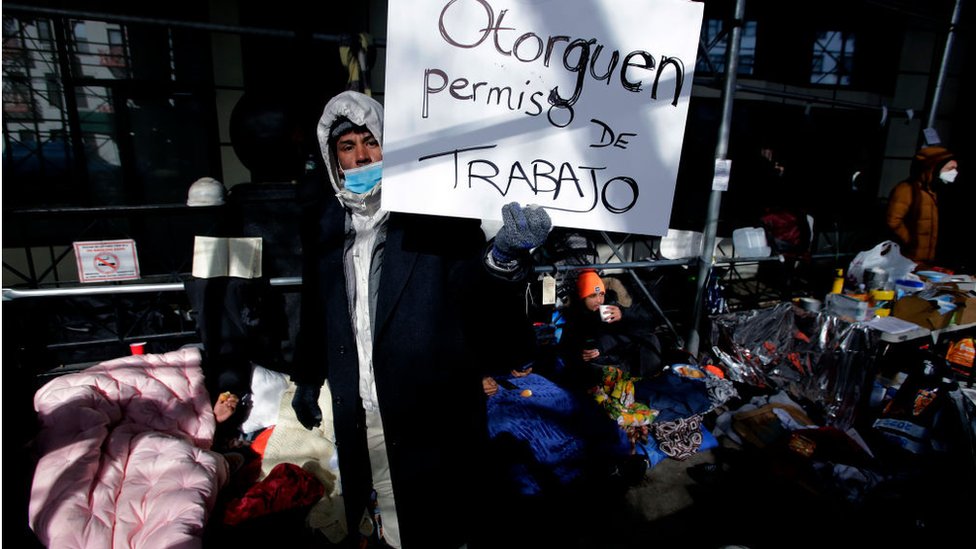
(750, 242)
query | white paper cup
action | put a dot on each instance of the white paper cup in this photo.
(605, 313)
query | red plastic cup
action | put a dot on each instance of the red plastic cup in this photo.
(138, 348)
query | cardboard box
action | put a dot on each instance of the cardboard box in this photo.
(963, 299)
(922, 312)
(926, 314)
(965, 307)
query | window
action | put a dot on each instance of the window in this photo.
(114, 37)
(113, 57)
(81, 37)
(139, 138)
(17, 98)
(53, 86)
(81, 99)
(714, 36)
(833, 58)
(99, 50)
(44, 30)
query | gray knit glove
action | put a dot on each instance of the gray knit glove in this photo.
(306, 406)
(522, 229)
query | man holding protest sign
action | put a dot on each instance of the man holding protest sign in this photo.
(389, 318)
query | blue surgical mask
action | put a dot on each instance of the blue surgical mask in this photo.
(361, 180)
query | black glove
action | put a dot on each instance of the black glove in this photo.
(306, 405)
(522, 230)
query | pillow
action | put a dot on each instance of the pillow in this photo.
(267, 386)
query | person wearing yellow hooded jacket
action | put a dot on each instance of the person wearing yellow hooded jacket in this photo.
(913, 206)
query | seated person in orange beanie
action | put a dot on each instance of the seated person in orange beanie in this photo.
(600, 332)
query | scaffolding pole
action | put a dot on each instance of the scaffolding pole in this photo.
(940, 81)
(707, 258)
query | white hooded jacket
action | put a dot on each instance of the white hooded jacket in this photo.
(365, 231)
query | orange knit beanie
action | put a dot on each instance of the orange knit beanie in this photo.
(589, 283)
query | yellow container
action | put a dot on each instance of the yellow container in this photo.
(882, 295)
(881, 300)
(838, 282)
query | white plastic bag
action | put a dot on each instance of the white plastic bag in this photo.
(886, 255)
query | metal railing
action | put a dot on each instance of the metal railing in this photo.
(77, 291)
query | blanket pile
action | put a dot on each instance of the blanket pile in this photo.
(125, 456)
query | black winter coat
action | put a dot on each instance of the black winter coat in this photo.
(629, 343)
(432, 342)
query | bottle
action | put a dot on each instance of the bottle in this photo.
(838, 282)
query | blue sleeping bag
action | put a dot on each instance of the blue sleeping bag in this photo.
(551, 438)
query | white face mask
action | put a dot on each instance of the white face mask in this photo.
(949, 176)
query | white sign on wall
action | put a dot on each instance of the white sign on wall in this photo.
(576, 105)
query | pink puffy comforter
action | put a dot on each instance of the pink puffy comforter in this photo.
(125, 459)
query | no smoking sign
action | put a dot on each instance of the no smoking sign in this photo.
(107, 260)
(107, 263)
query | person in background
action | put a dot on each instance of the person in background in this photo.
(600, 332)
(758, 176)
(913, 207)
(787, 227)
(392, 317)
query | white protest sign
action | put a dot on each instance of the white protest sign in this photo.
(102, 260)
(576, 105)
